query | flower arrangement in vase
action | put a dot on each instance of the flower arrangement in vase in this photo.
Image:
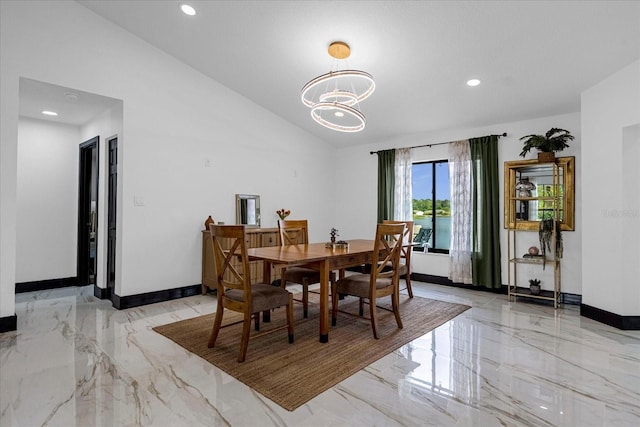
(283, 213)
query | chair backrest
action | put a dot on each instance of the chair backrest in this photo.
(293, 232)
(237, 273)
(388, 245)
(405, 251)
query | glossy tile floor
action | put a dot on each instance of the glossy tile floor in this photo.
(75, 361)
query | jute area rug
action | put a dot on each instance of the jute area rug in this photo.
(293, 374)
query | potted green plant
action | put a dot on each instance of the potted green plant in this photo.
(555, 139)
(534, 286)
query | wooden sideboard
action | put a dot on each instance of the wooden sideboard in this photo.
(256, 238)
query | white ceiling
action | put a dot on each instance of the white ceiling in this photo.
(74, 107)
(534, 57)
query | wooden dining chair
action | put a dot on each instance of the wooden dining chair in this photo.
(236, 293)
(404, 270)
(380, 282)
(296, 232)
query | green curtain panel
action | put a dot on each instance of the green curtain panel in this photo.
(486, 221)
(386, 183)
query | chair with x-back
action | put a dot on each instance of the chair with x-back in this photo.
(235, 291)
(381, 282)
(404, 270)
(296, 232)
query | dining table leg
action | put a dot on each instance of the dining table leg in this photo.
(324, 301)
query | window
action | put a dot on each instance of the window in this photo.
(432, 221)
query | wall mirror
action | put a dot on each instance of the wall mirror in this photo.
(248, 210)
(527, 181)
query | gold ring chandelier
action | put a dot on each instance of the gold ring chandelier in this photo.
(334, 97)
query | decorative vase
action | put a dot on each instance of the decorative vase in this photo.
(535, 289)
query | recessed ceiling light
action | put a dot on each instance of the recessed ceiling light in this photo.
(339, 114)
(187, 10)
(49, 113)
(473, 82)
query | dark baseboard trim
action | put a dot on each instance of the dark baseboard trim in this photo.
(101, 293)
(440, 280)
(131, 301)
(8, 323)
(565, 298)
(43, 285)
(627, 323)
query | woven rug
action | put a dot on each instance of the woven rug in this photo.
(293, 374)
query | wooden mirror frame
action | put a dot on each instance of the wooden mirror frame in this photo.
(567, 165)
(244, 199)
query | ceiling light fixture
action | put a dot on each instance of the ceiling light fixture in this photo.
(187, 10)
(70, 96)
(333, 96)
(49, 113)
(473, 82)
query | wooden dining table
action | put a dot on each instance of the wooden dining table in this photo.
(317, 256)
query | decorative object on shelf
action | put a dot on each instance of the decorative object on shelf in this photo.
(524, 187)
(546, 233)
(534, 286)
(342, 244)
(533, 251)
(283, 213)
(333, 97)
(208, 221)
(555, 139)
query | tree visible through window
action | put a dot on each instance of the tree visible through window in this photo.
(431, 206)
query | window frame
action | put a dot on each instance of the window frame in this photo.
(433, 205)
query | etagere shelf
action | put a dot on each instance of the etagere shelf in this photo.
(534, 205)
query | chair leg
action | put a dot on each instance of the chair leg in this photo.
(396, 309)
(290, 319)
(256, 320)
(334, 304)
(305, 297)
(244, 342)
(407, 279)
(372, 314)
(361, 307)
(216, 325)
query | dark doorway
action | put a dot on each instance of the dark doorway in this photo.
(111, 216)
(88, 212)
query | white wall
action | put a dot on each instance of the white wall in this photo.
(47, 200)
(358, 194)
(610, 120)
(174, 120)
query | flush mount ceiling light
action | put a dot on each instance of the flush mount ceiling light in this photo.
(49, 113)
(333, 96)
(473, 82)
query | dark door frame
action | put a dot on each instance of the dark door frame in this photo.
(112, 192)
(87, 166)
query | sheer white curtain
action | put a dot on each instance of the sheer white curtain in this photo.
(402, 195)
(460, 270)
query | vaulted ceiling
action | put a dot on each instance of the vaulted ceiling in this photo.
(534, 58)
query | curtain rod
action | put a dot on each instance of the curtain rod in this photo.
(431, 145)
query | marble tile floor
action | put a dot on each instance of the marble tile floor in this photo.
(76, 361)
